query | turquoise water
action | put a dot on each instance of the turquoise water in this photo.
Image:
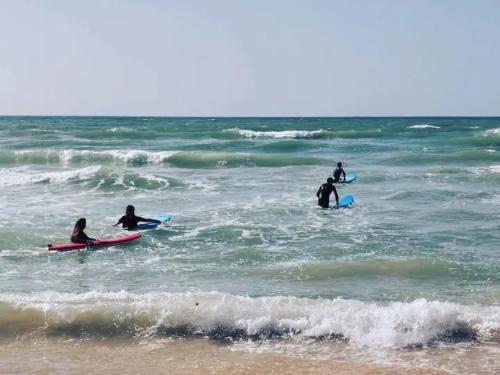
(417, 259)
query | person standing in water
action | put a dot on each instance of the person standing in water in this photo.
(339, 171)
(324, 192)
(129, 220)
(78, 235)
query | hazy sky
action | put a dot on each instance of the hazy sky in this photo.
(250, 58)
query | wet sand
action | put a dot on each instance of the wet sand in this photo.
(59, 356)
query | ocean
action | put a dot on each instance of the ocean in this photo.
(250, 272)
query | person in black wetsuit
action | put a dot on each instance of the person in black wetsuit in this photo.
(129, 220)
(339, 171)
(324, 192)
(78, 235)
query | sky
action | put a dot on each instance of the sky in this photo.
(250, 58)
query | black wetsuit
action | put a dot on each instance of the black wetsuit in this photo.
(337, 173)
(323, 195)
(130, 222)
(81, 238)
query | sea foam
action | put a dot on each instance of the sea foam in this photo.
(296, 134)
(423, 126)
(225, 316)
(23, 176)
(93, 176)
(488, 132)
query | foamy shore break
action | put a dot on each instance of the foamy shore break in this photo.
(227, 317)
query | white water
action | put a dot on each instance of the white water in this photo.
(396, 324)
(297, 134)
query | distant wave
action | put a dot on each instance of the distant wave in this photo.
(21, 176)
(224, 316)
(467, 156)
(69, 156)
(180, 159)
(94, 177)
(423, 126)
(495, 131)
(120, 129)
(197, 159)
(296, 134)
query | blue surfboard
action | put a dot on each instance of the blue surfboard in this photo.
(349, 177)
(164, 218)
(145, 226)
(345, 201)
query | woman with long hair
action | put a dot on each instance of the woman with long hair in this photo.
(129, 220)
(78, 234)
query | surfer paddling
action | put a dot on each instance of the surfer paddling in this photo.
(129, 220)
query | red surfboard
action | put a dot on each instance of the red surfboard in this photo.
(98, 243)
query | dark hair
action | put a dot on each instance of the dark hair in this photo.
(329, 179)
(130, 210)
(80, 225)
(339, 164)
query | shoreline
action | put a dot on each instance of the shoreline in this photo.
(193, 356)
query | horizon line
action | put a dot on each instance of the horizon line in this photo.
(259, 116)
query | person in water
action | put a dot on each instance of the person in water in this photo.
(324, 192)
(78, 234)
(339, 171)
(129, 220)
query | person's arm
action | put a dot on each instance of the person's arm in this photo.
(343, 173)
(336, 195)
(119, 221)
(148, 220)
(319, 190)
(86, 238)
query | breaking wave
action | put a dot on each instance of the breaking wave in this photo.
(423, 126)
(297, 134)
(306, 134)
(228, 317)
(182, 159)
(94, 177)
(495, 131)
(67, 157)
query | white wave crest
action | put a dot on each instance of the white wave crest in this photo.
(96, 175)
(296, 134)
(70, 156)
(396, 324)
(23, 176)
(423, 126)
(132, 157)
(120, 129)
(495, 131)
(494, 169)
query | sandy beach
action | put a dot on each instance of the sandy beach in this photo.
(57, 356)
